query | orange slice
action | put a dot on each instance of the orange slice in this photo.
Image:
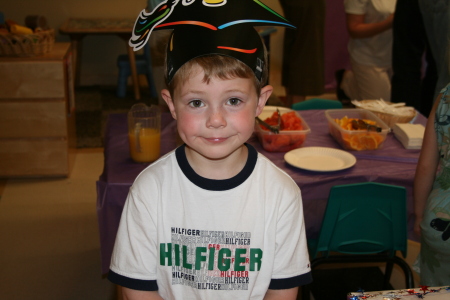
(380, 138)
(368, 141)
(355, 143)
(363, 141)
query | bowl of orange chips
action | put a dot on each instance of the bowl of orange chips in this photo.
(357, 129)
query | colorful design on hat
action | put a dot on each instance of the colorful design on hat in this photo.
(146, 22)
(202, 27)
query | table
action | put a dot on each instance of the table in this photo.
(392, 164)
(425, 292)
(78, 28)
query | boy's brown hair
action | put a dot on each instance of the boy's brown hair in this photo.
(217, 66)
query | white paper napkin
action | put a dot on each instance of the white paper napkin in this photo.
(410, 135)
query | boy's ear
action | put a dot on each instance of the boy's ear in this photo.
(263, 97)
(168, 98)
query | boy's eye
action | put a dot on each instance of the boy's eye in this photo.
(234, 101)
(196, 103)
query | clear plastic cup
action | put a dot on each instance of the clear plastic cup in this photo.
(144, 132)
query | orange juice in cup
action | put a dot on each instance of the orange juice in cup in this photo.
(144, 133)
(146, 148)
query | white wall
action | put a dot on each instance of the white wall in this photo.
(99, 53)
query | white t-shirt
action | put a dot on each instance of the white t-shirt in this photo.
(376, 50)
(191, 237)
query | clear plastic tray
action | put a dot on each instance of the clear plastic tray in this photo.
(286, 140)
(356, 139)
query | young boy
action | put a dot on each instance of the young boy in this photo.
(213, 219)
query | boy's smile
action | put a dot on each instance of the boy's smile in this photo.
(215, 119)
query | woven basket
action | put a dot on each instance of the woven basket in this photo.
(388, 118)
(391, 119)
(27, 44)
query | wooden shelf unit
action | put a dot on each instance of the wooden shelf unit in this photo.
(37, 114)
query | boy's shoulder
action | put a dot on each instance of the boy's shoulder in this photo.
(159, 168)
(273, 173)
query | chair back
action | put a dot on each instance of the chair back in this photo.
(364, 218)
(150, 79)
(317, 103)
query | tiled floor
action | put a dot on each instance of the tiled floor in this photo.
(49, 238)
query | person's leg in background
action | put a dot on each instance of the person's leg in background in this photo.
(303, 71)
(435, 15)
(347, 84)
(407, 53)
(428, 84)
(365, 82)
(409, 46)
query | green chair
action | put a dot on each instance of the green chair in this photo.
(363, 222)
(143, 66)
(317, 103)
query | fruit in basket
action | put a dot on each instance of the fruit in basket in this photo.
(365, 135)
(289, 121)
(352, 123)
(284, 141)
(364, 141)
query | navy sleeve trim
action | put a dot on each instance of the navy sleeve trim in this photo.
(289, 283)
(134, 284)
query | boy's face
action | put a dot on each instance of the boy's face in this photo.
(216, 118)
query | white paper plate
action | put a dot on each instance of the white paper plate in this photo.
(320, 159)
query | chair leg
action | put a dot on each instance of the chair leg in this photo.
(151, 86)
(305, 292)
(122, 83)
(409, 278)
(387, 274)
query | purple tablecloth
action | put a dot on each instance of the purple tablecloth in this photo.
(392, 164)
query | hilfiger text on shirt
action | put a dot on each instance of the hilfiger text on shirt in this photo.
(208, 259)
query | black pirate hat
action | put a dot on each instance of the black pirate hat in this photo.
(202, 27)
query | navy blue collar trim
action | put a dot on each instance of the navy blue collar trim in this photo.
(213, 184)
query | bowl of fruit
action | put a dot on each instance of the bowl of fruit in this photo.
(356, 129)
(291, 133)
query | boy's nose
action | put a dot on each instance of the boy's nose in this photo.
(216, 119)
